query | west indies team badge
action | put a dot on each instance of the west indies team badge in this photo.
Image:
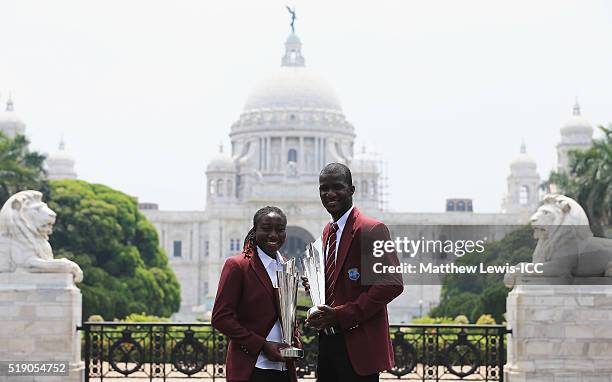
(353, 274)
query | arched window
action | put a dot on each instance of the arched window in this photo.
(219, 187)
(292, 155)
(211, 188)
(461, 205)
(524, 195)
(373, 188)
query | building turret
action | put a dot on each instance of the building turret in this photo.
(221, 179)
(60, 164)
(523, 184)
(576, 134)
(10, 123)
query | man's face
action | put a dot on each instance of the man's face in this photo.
(336, 194)
(270, 232)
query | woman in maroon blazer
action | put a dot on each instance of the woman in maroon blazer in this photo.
(246, 307)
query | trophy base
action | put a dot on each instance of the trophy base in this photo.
(312, 311)
(292, 352)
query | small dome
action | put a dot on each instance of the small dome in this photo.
(60, 164)
(61, 154)
(364, 163)
(523, 160)
(293, 39)
(577, 123)
(293, 87)
(10, 123)
(221, 163)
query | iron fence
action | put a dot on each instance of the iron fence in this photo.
(164, 351)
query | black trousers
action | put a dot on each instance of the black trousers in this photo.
(334, 364)
(269, 375)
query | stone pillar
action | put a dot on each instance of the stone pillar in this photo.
(39, 314)
(560, 333)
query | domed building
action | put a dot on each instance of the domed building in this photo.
(523, 184)
(60, 164)
(10, 123)
(576, 134)
(291, 125)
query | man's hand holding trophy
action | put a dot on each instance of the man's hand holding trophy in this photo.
(319, 316)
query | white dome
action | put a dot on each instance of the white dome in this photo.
(10, 117)
(10, 123)
(523, 161)
(221, 163)
(577, 123)
(61, 156)
(60, 164)
(293, 87)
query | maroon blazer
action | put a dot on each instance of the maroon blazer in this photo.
(362, 309)
(245, 311)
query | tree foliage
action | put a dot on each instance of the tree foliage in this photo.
(589, 181)
(20, 169)
(474, 295)
(125, 271)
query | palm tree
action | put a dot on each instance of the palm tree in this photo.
(20, 169)
(589, 181)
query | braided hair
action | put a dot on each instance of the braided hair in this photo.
(250, 243)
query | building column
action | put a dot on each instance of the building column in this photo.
(260, 154)
(301, 156)
(268, 153)
(283, 155)
(319, 153)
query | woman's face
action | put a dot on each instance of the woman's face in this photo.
(270, 232)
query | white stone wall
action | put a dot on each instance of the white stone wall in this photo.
(39, 315)
(560, 333)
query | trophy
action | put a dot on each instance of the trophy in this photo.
(288, 281)
(314, 269)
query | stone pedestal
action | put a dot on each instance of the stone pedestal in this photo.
(39, 314)
(560, 333)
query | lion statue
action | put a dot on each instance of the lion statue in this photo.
(566, 247)
(25, 225)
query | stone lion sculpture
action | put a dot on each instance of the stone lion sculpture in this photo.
(25, 225)
(566, 246)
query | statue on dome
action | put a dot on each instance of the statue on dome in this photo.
(292, 12)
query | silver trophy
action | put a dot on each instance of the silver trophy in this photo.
(314, 269)
(288, 281)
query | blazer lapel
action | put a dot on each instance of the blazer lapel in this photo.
(324, 237)
(261, 273)
(345, 243)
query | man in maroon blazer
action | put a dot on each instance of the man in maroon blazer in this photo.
(354, 343)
